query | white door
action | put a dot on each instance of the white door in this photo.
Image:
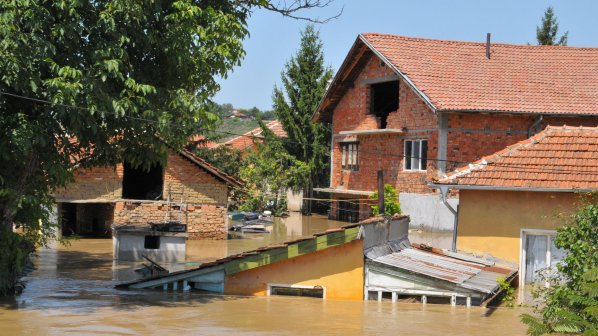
(539, 254)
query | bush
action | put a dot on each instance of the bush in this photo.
(571, 302)
(391, 205)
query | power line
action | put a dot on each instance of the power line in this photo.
(524, 168)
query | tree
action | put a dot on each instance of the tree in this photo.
(570, 304)
(268, 172)
(86, 83)
(546, 33)
(304, 82)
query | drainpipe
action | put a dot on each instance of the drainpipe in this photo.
(443, 192)
(530, 130)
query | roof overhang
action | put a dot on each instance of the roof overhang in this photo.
(509, 188)
(345, 191)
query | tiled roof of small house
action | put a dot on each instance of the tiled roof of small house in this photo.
(248, 139)
(457, 75)
(556, 158)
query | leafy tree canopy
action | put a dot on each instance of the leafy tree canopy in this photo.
(546, 33)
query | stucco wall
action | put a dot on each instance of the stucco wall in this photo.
(339, 269)
(491, 221)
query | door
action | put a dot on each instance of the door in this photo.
(539, 255)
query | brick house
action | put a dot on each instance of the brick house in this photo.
(417, 108)
(512, 202)
(186, 189)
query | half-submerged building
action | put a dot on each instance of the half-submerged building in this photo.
(186, 190)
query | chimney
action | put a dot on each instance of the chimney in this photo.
(488, 45)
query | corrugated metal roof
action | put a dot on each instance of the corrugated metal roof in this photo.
(466, 274)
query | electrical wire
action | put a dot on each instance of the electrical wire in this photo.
(523, 168)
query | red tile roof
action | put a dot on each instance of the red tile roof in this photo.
(456, 75)
(248, 139)
(556, 158)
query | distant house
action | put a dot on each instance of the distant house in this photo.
(417, 108)
(248, 140)
(238, 115)
(512, 201)
(186, 190)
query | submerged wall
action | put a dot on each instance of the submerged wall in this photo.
(338, 269)
(491, 221)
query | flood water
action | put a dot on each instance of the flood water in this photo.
(71, 293)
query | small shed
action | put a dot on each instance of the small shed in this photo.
(132, 242)
(426, 274)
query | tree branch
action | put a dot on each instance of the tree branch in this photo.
(293, 8)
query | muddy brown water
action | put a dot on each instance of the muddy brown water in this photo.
(71, 293)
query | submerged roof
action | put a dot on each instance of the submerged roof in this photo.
(559, 158)
(457, 75)
(462, 270)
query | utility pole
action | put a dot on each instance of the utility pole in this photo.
(381, 191)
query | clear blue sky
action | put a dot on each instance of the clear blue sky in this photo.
(274, 39)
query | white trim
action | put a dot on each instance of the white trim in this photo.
(270, 285)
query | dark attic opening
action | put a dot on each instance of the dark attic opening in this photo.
(384, 98)
(143, 184)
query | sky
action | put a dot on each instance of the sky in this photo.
(274, 39)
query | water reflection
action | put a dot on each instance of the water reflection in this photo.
(71, 292)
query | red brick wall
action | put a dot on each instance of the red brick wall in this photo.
(382, 151)
(203, 221)
(195, 184)
(98, 183)
(474, 135)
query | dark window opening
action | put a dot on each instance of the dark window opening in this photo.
(68, 219)
(416, 154)
(152, 242)
(348, 211)
(384, 99)
(316, 292)
(142, 184)
(86, 219)
(350, 156)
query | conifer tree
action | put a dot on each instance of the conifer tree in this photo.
(546, 33)
(304, 82)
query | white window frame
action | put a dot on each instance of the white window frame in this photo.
(413, 158)
(270, 285)
(523, 252)
(350, 156)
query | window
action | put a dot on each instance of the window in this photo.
(350, 159)
(143, 184)
(384, 98)
(416, 154)
(348, 211)
(294, 290)
(152, 242)
(539, 255)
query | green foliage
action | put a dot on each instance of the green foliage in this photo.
(546, 33)
(13, 255)
(268, 172)
(570, 304)
(391, 203)
(508, 292)
(304, 81)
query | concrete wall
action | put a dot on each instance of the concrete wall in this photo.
(491, 221)
(131, 247)
(338, 269)
(294, 200)
(427, 212)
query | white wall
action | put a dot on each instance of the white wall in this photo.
(427, 212)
